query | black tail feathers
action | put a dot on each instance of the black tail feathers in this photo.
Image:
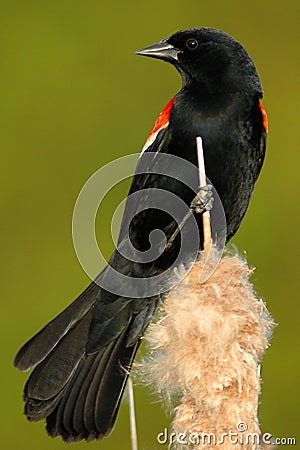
(76, 388)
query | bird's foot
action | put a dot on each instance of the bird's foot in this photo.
(203, 201)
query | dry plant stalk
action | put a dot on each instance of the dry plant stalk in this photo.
(206, 350)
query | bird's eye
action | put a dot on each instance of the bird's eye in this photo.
(192, 44)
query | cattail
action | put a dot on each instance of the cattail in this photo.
(205, 353)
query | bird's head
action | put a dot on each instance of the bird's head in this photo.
(208, 58)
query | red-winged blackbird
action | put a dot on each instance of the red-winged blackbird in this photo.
(83, 356)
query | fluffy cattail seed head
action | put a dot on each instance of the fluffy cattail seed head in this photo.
(205, 352)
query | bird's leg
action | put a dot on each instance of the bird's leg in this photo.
(203, 201)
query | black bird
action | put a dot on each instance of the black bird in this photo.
(82, 358)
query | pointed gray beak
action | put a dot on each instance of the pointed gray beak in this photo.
(161, 50)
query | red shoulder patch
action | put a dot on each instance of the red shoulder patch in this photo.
(163, 118)
(161, 122)
(265, 117)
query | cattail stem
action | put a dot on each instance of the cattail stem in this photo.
(133, 431)
(207, 239)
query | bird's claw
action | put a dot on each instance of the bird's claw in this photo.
(203, 201)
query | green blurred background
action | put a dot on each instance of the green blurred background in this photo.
(73, 97)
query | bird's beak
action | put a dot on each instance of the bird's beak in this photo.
(161, 50)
